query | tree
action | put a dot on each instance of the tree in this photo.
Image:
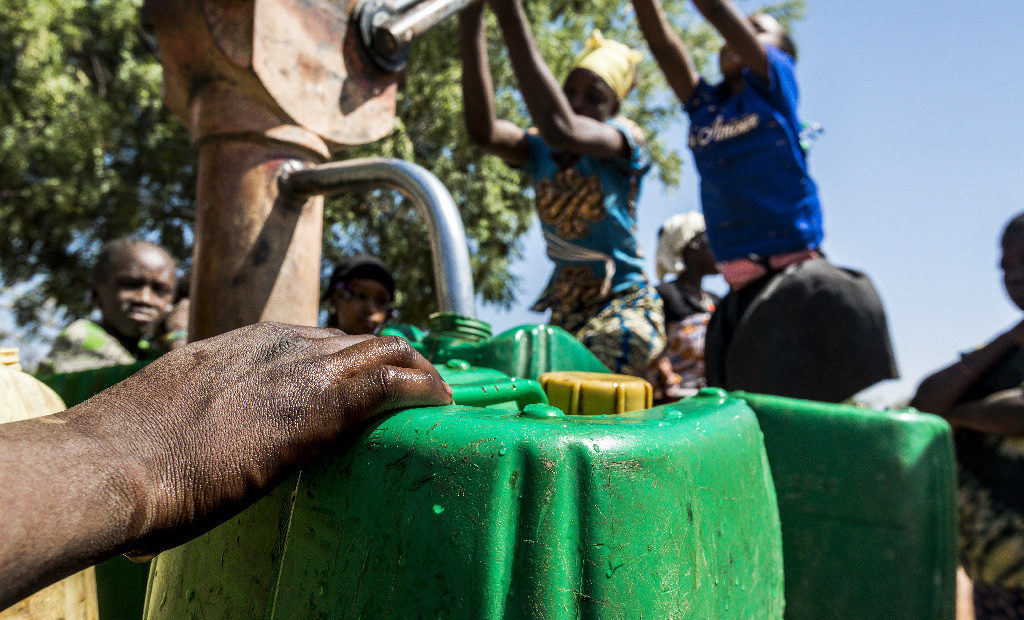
(89, 153)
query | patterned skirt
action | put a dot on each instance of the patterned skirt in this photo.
(626, 333)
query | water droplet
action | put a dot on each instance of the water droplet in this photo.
(502, 451)
(438, 509)
(597, 448)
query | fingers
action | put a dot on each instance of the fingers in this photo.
(370, 352)
(401, 388)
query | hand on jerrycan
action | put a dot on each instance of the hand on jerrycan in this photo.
(209, 428)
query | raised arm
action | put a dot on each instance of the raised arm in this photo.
(942, 392)
(494, 135)
(667, 48)
(188, 441)
(740, 34)
(552, 114)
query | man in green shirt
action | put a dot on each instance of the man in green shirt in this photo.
(132, 286)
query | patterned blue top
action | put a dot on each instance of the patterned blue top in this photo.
(587, 210)
(757, 195)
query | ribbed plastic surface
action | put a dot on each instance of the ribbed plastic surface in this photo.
(462, 512)
(596, 393)
(867, 502)
(526, 352)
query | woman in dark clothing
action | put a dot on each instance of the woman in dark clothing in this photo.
(683, 251)
(981, 396)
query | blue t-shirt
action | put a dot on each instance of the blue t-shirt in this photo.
(757, 195)
(588, 214)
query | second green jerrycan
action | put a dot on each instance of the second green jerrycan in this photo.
(469, 512)
(867, 502)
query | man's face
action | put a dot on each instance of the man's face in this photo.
(137, 292)
(362, 307)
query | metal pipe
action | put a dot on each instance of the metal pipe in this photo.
(452, 275)
(402, 28)
(387, 27)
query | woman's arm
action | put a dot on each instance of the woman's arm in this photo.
(188, 441)
(667, 48)
(941, 392)
(560, 127)
(495, 136)
(737, 30)
(1001, 413)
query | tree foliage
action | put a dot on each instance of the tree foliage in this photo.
(89, 153)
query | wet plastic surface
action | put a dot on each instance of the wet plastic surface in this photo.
(867, 502)
(461, 512)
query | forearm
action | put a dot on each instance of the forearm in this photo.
(542, 94)
(1001, 413)
(477, 87)
(67, 502)
(941, 391)
(667, 47)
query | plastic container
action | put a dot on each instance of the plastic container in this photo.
(485, 387)
(867, 502)
(461, 512)
(23, 397)
(526, 352)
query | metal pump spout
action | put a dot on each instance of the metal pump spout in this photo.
(452, 275)
(387, 27)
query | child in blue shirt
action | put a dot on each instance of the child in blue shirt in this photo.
(792, 324)
(587, 164)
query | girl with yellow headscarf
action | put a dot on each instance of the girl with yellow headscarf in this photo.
(587, 164)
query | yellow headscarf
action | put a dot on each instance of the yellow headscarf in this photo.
(612, 61)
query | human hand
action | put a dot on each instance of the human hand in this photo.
(174, 330)
(205, 430)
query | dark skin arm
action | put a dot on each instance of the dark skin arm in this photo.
(668, 49)
(495, 136)
(558, 124)
(1001, 413)
(739, 33)
(188, 441)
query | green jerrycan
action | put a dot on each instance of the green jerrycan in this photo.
(485, 387)
(867, 502)
(526, 352)
(467, 512)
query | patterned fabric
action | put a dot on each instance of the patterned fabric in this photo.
(684, 355)
(990, 498)
(625, 333)
(587, 210)
(995, 603)
(84, 345)
(756, 192)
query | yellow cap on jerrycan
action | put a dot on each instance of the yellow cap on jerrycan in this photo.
(596, 393)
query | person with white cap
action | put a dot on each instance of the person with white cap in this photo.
(587, 163)
(683, 252)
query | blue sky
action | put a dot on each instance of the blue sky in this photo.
(920, 165)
